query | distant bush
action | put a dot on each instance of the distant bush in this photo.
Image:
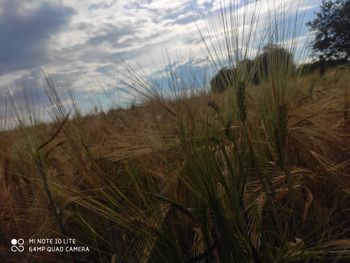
(319, 66)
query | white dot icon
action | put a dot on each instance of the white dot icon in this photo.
(14, 241)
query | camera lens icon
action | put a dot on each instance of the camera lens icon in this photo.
(17, 245)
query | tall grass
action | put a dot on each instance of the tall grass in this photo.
(255, 174)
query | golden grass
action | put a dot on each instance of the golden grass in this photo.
(189, 183)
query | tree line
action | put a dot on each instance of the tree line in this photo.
(331, 47)
(273, 60)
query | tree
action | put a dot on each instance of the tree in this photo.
(222, 80)
(246, 69)
(332, 31)
(273, 61)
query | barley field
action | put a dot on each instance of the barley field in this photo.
(258, 172)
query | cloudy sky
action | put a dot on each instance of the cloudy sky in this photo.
(85, 42)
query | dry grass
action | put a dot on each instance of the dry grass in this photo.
(147, 185)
